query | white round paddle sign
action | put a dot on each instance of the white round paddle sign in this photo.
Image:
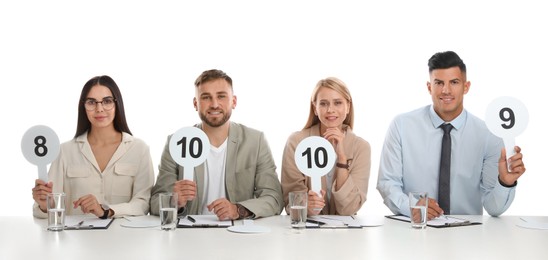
(315, 157)
(189, 147)
(40, 146)
(507, 117)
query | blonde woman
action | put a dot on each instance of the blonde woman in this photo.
(344, 188)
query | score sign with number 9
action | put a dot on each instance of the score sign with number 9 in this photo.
(506, 117)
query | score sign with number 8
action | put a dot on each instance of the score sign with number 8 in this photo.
(315, 157)
(189, 147)
(40, 146)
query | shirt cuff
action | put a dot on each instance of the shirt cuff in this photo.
(508, 186)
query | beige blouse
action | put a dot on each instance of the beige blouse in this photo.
(351, 196)
(124, 185)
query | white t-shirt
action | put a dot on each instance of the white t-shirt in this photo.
(214, 179)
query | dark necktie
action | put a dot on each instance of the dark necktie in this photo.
(445, 170)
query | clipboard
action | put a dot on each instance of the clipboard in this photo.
(86, 222)
(203, 221)
(332, 221)
(439, 222)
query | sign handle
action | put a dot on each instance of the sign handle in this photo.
(317, 184)
(43, 173)
(509, 143)
(188, 174)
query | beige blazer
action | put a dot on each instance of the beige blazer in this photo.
(251, 179)
(124, 185)
(351, 196)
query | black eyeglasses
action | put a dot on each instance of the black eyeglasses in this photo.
(108, 103)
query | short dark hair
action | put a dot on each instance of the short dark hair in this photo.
(120, 123)
(210, 75)
(445, 60)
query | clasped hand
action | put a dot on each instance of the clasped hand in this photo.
(223, 208)
(517, 168)
(87, 203)
(315, 202)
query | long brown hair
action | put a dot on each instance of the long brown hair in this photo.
(120, 123)
(337, 85)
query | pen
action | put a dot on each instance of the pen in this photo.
(315, 222)
(191, 219)
(465, 223)
(205, 225)
(79, 228)
(79, 224)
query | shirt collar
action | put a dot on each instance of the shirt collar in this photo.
(457, 123)
(83, 138)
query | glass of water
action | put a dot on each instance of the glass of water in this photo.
(298, 203)
(56, 211)
(168, 211)
(418, 205)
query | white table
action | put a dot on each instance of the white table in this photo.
(497, 238)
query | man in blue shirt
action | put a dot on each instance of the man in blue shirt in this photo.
(410, 158)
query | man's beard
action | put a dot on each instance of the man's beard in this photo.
(217, 123)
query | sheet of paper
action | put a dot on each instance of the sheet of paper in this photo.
(89, 221)
(439, 221)
(533, 223)
(332, 221)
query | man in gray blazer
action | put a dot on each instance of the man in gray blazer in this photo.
(238, 179)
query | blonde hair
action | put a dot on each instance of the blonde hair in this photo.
(337, 85)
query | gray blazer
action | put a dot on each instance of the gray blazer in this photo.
(251, 179)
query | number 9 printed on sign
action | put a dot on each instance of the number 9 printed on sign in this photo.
(507, 117)
(40, 146)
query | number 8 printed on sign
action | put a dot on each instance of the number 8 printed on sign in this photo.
(40, 146)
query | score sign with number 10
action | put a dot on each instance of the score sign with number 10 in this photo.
(189, 147)
(315, 157)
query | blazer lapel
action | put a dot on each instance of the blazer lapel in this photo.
(231, 156)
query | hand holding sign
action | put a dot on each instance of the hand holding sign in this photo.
(315, 157)
(40, 146)
(189, 147)
(507, 117)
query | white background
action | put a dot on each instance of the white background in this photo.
(275, 52)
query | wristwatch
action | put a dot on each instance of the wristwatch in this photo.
(242, 211)
(106, 209)
(344, 165)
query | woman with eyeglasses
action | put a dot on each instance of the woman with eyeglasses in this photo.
(103, 170)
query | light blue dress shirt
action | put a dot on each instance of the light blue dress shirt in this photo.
(410, 161)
